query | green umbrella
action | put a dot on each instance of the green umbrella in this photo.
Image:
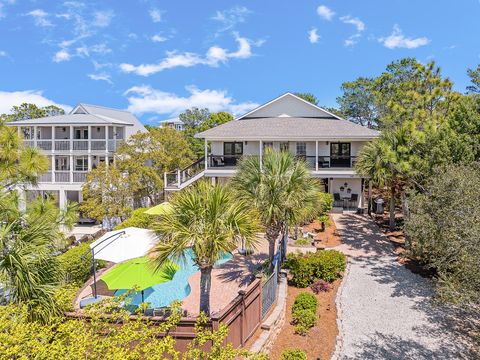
(160, 209)
(138, 273)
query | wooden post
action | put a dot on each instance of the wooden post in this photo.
(369, 206)
(261, 154)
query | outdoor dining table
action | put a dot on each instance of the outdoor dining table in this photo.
(346, 199)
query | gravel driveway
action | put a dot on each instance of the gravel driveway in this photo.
(384, 310)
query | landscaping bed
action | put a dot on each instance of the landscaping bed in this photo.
(328, 238)
(320, 340)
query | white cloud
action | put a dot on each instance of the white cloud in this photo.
(352, 40)
(94, 49)
(159, 38)
(359, 24)
(156, 15)
(61, 55)
(8, 99)
(102, 18)
(3, 53)
(145, 99)
(40, 17)
(231, 17)
(214, 56)
(397, 40)
(313, 37)
(325, 12)
(101, 77)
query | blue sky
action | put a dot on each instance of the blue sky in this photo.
(157, 58)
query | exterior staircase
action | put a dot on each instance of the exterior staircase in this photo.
(181, 178)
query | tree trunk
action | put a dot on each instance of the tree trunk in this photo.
(392, 208)
(205, 285)
(406, 215)
(369, 206)
(272, 236)
(295, 234)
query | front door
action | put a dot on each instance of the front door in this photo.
(340, 154)
(232, 151)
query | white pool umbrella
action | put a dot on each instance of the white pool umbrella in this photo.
(121, 245)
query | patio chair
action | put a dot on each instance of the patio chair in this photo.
(353, 200)
(337, 201)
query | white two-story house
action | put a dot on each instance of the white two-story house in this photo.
(74, 144)
(328, 144)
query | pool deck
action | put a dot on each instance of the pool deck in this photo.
(227, 280)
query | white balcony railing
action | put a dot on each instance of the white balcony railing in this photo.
(44, 144)
(98, 145)
(62, 176)
(62, 145)
(47, 177)
(28, 143)
(79, 176)
(80, 145)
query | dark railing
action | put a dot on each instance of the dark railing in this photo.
(178, 177)
(215, 161)
(336, 161)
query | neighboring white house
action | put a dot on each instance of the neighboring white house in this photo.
(174, 123)
(328, 143)
(74, 144)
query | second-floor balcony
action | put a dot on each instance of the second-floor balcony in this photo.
(313, 163)
(75, 145)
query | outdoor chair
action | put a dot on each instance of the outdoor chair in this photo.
(337, 201)
(353, 201)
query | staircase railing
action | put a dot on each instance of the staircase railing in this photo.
(180, 176)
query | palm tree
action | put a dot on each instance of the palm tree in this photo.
(280, 188)
(18, 164)
(209, 220)
(29, 271)
(387, 162)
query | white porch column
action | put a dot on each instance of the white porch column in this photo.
(53, 139)
(106, 161)
(114, 141)
(35, 136)
(261, 153)
(53, 168)
(71, 139)
(106, 139)
(206, 154)
(369, 205)
(89, 139)
(316, 155)
(71, 168)
(62, 199)
(89, 162)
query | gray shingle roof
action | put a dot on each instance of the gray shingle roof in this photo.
(288, 128)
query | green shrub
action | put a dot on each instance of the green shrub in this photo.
(293, 354)
(76, 263)
(322, 265)
(304, 320)
(138, 219)
(305, 301)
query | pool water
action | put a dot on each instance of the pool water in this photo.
(177, 289)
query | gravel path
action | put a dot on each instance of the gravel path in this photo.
(384, 310)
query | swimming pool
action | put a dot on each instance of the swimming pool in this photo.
(177, 289)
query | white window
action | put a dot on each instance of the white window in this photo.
(81, 163)
(301, 149)
(62, 163)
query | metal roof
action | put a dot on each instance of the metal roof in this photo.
(288, 128)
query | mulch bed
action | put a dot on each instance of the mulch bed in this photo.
(326, 239)
(320, 341)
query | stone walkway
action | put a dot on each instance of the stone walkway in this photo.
(384, 310)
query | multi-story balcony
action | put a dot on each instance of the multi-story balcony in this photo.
(77, 145)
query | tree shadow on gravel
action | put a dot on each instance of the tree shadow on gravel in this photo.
(359, 233)
(392, 347)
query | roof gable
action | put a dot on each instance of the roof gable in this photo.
(288, 105)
